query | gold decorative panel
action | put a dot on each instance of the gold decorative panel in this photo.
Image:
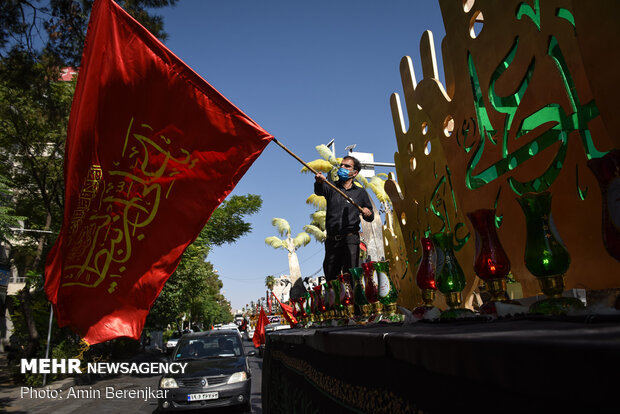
(424, 198)
(528, 100)
(396, 254)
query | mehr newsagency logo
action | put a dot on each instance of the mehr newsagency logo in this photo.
(73, 366)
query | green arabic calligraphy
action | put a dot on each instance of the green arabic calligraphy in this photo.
(559, 125)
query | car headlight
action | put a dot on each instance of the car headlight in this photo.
(168, 383)
(238, 377)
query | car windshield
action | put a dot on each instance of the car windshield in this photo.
(212, 346)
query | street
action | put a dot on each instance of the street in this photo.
(110, 395)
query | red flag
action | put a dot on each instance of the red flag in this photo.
(152, 149)
(287, 311)
(259, 332)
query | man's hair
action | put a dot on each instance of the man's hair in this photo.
(357, 165)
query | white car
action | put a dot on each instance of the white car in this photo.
(276, 327)
(228, 327)
(172, 342)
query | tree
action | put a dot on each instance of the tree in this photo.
(34, 111)
(57, 28)
(226, 224)
(270, 282)
(316, 228)
(7, 219)
(290, 244)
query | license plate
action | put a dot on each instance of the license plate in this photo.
(202, 396)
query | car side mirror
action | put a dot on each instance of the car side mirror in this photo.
(251, 353)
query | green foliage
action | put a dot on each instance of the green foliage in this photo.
(34, 111)
(60, 25)
(7, 217)
(270, 282)
(226, 224)
(40, 310)
(63, 343)
(37, 39)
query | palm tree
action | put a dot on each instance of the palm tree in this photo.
(317, 227)
(328, 164)
(290, 244)
(270, 282)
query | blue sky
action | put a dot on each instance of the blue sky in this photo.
(307, 72)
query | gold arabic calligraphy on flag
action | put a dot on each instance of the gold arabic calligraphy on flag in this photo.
(113, 213)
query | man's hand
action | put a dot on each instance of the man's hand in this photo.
(320, 178)
(366, 212)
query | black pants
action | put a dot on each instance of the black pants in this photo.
(341, 255)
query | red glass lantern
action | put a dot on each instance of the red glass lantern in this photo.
(372, 285)
(295, 306)
(301, 301)
(425, 277)
(491, 263)
(320, 303)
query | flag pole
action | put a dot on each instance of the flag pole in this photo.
(349, 199)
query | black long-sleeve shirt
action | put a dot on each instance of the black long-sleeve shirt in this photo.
(343, 217)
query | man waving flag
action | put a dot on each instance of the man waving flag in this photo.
(152, 149)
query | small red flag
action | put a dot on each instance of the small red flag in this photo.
(363, 246)
(152, 149)
(259, 332)
(287, 311)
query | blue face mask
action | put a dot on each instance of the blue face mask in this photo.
(343, 174)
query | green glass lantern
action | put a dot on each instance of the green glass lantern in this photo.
(387, 291)
(307, 307)
(338, 307)
(449, 275)
(546, 256)
(362, 306)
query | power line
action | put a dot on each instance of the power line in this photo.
(280, 272)
(303, 261)
(317, 272)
